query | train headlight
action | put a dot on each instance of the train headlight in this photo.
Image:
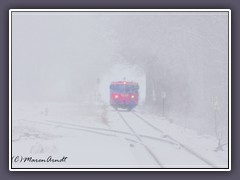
(132, 96)
(116, 96)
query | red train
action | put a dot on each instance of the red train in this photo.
(124, 95)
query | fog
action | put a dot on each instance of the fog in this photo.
(180, 58)
(58, 57)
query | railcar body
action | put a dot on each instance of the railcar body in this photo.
(124, 95)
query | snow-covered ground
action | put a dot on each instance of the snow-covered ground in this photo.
(93, 135)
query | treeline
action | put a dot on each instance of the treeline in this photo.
(185, 60)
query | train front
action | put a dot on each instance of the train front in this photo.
(124, 95)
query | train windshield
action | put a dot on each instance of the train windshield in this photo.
(124, 88)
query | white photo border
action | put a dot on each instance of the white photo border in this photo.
(119, 169)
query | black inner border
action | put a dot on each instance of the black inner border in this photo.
(116, 10)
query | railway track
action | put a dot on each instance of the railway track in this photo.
(132, 135)
(95, 130)
(169, 137)
(141, 141)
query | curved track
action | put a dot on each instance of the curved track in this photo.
(140, 140)
(137, 130)
(190, 151)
